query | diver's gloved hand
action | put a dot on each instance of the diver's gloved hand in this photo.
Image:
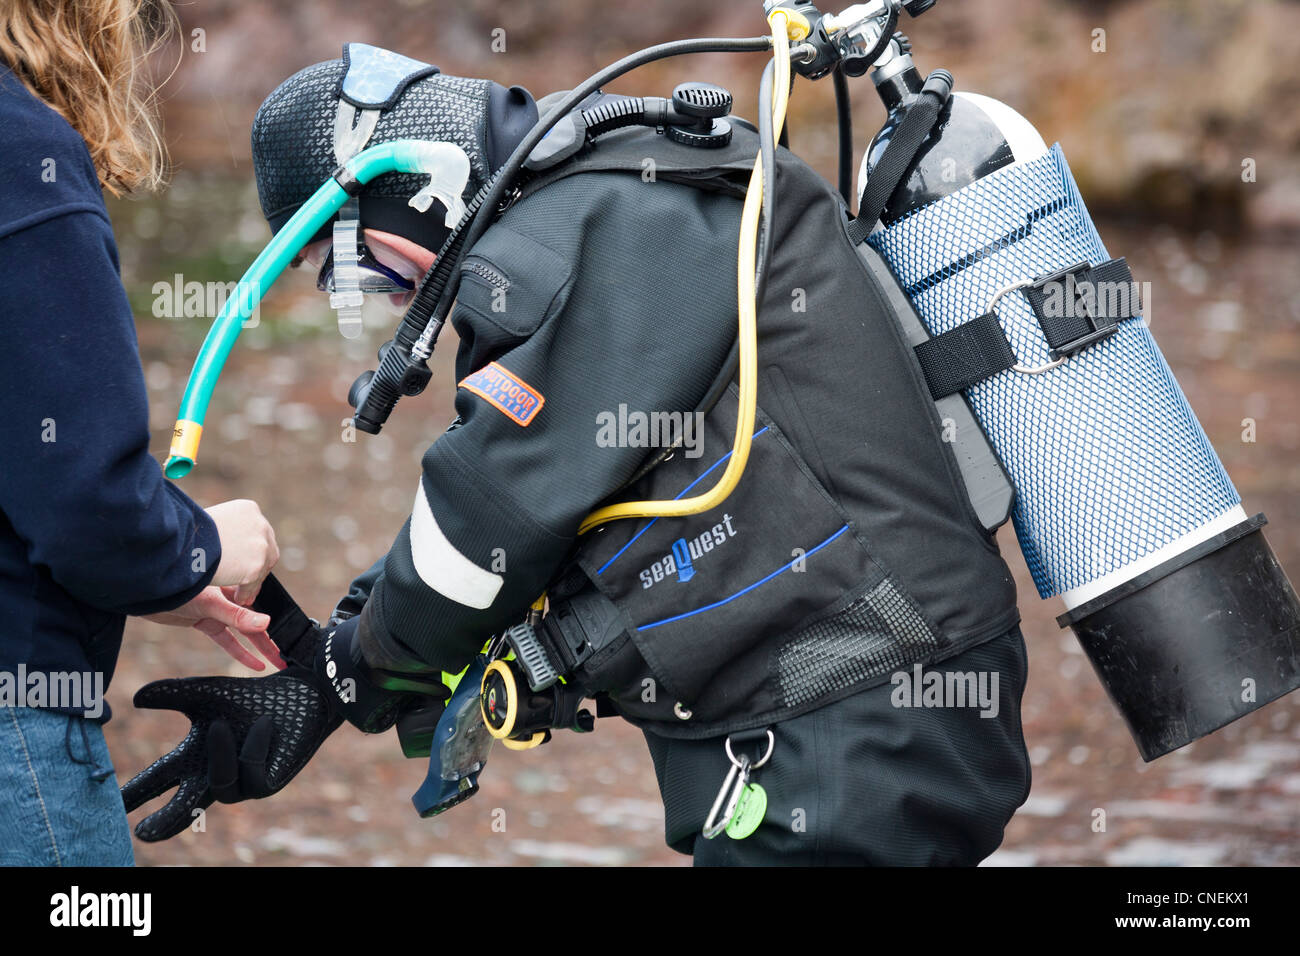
(371, 701)
(250, 736)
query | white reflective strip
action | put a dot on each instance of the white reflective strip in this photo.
(442, 567)
(1095, 589)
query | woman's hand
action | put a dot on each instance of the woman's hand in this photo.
(248, 548)
(215, 614)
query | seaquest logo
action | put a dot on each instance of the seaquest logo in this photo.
(682, 555)
(680, 561)
(507, 392)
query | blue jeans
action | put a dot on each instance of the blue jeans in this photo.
(59, 802)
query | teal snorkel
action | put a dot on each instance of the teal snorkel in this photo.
(448, 169)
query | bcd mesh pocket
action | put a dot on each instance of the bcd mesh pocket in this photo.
(879, 632)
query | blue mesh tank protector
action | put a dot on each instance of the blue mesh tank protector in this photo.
(1113, 473)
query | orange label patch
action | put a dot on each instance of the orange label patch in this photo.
(508, 392)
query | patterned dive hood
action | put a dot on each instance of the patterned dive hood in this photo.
(321, 115)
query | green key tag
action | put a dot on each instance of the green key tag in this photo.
(749, 812)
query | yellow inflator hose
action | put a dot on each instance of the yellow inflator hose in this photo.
(783, 29)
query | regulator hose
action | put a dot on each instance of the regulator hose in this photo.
(747, 303)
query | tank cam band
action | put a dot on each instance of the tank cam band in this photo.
(1074, 307)
(957, 359)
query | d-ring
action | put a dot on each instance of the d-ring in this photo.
(992, 307)
(771, 742)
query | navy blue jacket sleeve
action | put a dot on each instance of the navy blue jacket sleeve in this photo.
(78, 483)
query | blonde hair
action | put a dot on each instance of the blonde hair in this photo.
(88, 60)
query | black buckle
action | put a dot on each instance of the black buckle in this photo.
(1080, 316)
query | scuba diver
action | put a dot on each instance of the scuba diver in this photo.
(739, 494)
(763, 644)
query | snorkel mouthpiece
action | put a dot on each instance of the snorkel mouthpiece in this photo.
(448, 169)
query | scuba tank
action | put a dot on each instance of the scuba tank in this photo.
(1123, 508)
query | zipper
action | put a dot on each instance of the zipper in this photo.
(488, 274)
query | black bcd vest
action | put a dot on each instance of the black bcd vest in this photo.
(849, 551)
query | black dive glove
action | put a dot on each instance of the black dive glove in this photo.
(250, 736)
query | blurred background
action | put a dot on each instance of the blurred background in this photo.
(1159, 128)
